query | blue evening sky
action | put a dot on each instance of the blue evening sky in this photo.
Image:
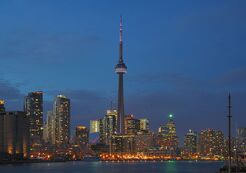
(183, 57)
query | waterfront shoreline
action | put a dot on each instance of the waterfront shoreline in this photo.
(31, 161)
(103, 161)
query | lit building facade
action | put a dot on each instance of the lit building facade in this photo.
(94, 126)
(168, 138)
(61, 112)
(34, 110)
(132, 125)
(102, 138)
(211, 143)
(144, 125)
(49, 128)
(110, 121)
(123, 144)
(106, 126)
(45, 133)
(190, 142)
(144, 141)
(109, 124)
(82, 136)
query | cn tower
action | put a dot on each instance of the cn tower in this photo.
(120, 69)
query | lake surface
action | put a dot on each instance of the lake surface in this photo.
(109, 167)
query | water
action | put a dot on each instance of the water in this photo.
(108, 167)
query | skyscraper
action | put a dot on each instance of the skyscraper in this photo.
(190, 142)
(106, 126)
(109, 125)
(94, 126)
(169, 139)
(34, 111)
(111, 121)
(120, 69)
(62, 120)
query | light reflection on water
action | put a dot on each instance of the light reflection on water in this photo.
(109, 167)
(171, 167)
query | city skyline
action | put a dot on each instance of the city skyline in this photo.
(154, 87)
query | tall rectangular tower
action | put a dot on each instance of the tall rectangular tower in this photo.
(62, 120)
(34, 110)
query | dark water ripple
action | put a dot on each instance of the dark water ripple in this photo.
(108, 167)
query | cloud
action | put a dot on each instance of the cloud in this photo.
(12, 95)
(9, 91)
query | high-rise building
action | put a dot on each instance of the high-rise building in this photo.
(109, 123)
(49, 128)
(190, 142)
(120, 69)
(14, 135)
(82, 136)
(34, 111)
(94, 126)
(61, 112)
(132, 125)
(211, 143)
(2, 108)
(110, 120)
(168, 137)
(106, 126)
(144, 125)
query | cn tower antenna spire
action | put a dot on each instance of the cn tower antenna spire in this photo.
(121, 42)
(121, 29)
